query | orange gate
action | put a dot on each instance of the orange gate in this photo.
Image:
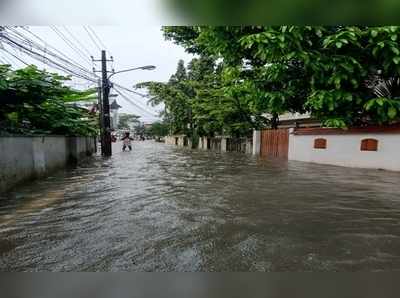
(275, 143)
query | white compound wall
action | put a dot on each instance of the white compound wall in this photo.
(345, 150)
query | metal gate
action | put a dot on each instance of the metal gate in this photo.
(275, 143)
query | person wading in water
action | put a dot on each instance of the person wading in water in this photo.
(127, 142)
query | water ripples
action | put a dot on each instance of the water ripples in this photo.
(161, 208)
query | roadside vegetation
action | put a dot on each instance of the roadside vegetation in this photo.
(246, 77)
(157, 130)
(34, 101)
(126, 121)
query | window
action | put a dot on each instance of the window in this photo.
(369, 145)
(320, 144)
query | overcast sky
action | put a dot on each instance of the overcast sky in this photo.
(93, 12)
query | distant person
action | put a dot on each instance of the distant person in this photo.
(127, 142)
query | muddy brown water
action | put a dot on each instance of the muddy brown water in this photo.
(162, 208)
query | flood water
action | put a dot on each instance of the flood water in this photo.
(162, 208)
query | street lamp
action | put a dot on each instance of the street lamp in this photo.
(146, 67)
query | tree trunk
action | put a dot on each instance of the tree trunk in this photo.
(275, 121)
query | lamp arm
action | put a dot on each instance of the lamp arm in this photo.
(125, 70)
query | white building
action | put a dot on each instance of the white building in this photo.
(114, 116)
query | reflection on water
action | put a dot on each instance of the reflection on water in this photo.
(161, 208)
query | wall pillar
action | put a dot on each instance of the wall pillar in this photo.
(181, 141)
(256, 142)
(223, 144)
(249, 146)
(291, 152)
(201, 143)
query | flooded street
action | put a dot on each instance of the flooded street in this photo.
(162, 208)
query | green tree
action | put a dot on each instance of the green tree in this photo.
(36, 101)
(175, 95)
(197, 101)
(158, 130)
(126, 120)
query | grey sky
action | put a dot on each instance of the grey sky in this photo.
(94, 12)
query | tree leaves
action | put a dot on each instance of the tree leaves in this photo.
(40, 102)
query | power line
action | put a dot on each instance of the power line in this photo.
(6, 60)
(76, 49)
(46, 51)
(98, 38)
(130, 90)
(46, 44)
(16, 57)
(78, 41)
(134, 104)
(45, 60)
(91, 37)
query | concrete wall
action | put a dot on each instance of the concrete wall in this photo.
(178, 140)
(249, 146)
(202, 143)
(344, 150)
(25, 158)
(170, 140)
(218, 143)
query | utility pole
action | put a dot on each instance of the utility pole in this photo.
(107, 151)
(104, 106)
(100, 108)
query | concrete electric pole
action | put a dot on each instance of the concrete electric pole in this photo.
(107, 151)
(105, 121)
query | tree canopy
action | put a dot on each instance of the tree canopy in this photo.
(157, 130)
(126, 120)
(35, 101)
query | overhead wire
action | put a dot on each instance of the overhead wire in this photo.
(47, 45)
(97, 37)
(78, 41)
(134, 92)
(16, 57)
(92, 38)
(18, 41)
(130, 90)
(45, 59)
(136, 103)
(126, 98)
(47, 51)
(76, 49)
(6, 60)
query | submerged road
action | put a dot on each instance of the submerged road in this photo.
(162, 208)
